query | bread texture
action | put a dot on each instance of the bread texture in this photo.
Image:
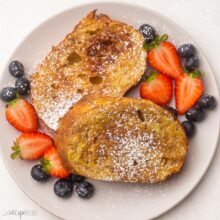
(121, 139)
(101, 57)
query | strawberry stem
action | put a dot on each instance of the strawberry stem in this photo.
(164, 37)
(156, 42)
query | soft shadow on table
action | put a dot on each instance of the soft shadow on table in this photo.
(216, 155)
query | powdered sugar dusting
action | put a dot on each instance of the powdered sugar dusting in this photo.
(59, 109)
(134, 151)
(130, 156)
(89, 61)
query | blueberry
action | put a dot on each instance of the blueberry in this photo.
(186, 50)
(195, 114)
(63, 188)
(16, 69)
(7, 94)
(84, 190)
(76, 178)
(38, 173)
(171, 110)
(189, 128)
(148, 32)
(22, 86)
(206, 102)
(191, 63)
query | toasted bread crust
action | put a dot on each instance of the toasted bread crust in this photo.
(101, 57)
(121, 139)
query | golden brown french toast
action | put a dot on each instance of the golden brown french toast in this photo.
(101, 57)
(121, 139)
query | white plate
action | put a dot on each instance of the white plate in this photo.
(111, 200)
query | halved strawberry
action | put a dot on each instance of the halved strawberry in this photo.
(52, 164)
(157, 88)
(163, 57)
(188, 89)
(22, 115)
(31, 146)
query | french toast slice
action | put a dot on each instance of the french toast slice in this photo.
(121, 139)
(101, 57)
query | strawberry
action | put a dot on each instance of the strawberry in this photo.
(188, 89)
(163, 57)
(52, 164)
(22, 115)
(157, 88)
(31, 146)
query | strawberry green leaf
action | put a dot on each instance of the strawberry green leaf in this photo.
(156, 42)
(46, 165)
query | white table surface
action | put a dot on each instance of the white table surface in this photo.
(200, 18)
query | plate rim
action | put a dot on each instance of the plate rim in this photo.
(138, 6)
